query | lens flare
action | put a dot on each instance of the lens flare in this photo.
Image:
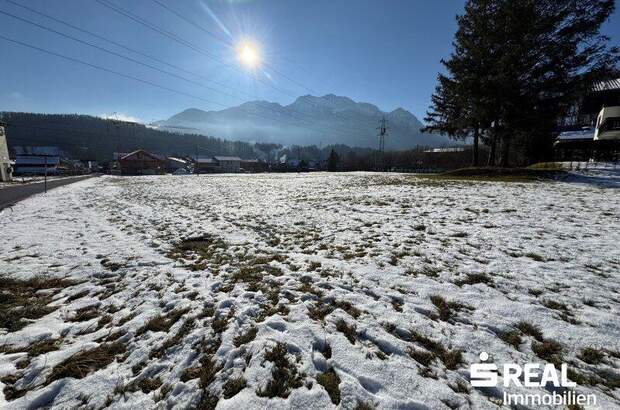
(248, 55)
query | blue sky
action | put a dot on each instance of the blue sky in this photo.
(385, 52)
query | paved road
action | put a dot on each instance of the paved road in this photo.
(11, 195)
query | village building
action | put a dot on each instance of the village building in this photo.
(204, 165)
(592, 129)
(217, 164)
(6, 171)
(38, 161)
(141, 162)
(228, 164)
(174, 164)
(253, 165)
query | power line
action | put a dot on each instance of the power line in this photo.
(180, 40)
(175, 37)
(117, 54)
(133, 50)
(145, 64)
(270, 66)
(182, 17)
(148, 65)
(187, 20)
(98, 67)
(111, 52)
(128, 76)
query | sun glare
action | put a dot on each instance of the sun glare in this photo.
(247, 54)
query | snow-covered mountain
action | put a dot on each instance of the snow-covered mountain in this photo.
(329, 119)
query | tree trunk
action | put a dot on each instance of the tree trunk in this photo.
(505, 151)
(491, 161)
(476, 140)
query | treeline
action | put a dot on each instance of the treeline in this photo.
(517, 69)
(345, 158)
(92, 138)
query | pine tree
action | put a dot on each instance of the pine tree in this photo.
(332, 161)
(516, 68)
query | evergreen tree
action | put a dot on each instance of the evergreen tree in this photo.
(516, 69)
(332, 161)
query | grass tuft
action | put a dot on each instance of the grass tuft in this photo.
(85, 362)
(591, 355)
(331, 382)
(530, 330)
(162, 323)
(512, 337)
(447, 310)
(246, 337)
(474, 278)
(548, 350)
(348, 330)
(20, 299)
(284, 376)
(233, 386)
(452, 359)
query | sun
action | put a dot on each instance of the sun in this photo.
(248, 55)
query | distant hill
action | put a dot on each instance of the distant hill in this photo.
(88, 137)
(310, 120)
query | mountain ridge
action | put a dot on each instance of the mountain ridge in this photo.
(309, 120)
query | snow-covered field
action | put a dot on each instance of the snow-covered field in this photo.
(304, 291)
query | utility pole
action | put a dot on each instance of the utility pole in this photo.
(383, 131)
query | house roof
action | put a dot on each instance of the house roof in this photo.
(34, 160)
(218, 158)
(583, 134)
(143, 152)
(607, 85)
(204, 160)
(45, 151)
(118, 155)
(448, 149)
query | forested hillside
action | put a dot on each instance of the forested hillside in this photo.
(88, 137)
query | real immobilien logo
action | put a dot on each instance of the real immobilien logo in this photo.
(530, 375)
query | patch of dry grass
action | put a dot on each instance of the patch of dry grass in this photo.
(331, 382)
(233, 386)
(161, 323)
(87, 361)
(348, 330)
(20, 299)
(446, 310)
(452, 359)
(246, 337)
(284, 376)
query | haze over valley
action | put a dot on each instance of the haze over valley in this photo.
(309, 120)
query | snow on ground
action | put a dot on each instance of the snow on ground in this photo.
(304, 291)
